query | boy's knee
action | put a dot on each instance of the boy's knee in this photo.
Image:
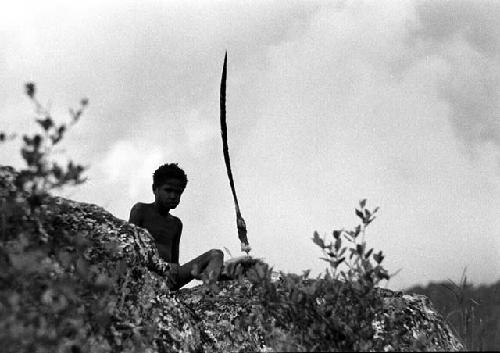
(216, 253)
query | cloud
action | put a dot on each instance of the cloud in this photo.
(466, 36)
(476, 22)
(127, 163)
(198, 131)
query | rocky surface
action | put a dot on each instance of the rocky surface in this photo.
(119, 300)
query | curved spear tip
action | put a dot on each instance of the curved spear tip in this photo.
(224, 75)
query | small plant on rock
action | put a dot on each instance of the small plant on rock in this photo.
(363, 267)
(41, 173)
(334, 311)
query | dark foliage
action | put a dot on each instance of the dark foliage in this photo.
(41, 174)
(342, 310)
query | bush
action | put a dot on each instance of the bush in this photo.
(41, 173)
(336, 310)
(52, 298)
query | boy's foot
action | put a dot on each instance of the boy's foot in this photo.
(238, 266)
(214, 288)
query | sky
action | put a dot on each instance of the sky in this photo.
(328, 103)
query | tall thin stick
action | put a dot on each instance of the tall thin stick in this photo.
(240, 222)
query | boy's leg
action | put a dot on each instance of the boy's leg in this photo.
(204, 267)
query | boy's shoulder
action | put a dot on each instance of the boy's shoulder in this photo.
(176, 219)
(139, 207)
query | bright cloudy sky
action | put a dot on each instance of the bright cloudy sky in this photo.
(328, 103)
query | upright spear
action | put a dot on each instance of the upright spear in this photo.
(240, 222)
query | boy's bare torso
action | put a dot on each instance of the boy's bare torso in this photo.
(165, 229)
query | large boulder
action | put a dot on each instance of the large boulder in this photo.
(76, 278)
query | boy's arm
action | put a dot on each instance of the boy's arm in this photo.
(175, 250)
(136, 215)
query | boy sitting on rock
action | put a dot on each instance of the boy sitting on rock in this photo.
(169, 182)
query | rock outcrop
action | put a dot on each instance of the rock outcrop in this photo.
(80, 279)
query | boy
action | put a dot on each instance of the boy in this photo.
(169, 182)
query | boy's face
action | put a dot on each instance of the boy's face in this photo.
(168, 194)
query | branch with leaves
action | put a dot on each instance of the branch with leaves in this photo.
(41, 173)
(355, 255)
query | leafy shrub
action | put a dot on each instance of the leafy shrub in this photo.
(29, 318)
(334, 311)
(52, 298)
(41, 174)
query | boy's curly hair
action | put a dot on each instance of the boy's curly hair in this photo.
(168, 171)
